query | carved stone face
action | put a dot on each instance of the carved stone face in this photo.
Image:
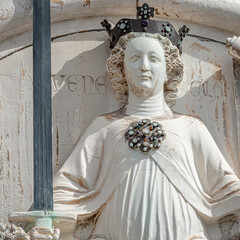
(145, 67)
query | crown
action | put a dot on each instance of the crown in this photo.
(144, 24)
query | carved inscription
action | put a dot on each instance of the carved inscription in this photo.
(80, 84)
(209, 89)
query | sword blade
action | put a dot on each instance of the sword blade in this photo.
(42, 119)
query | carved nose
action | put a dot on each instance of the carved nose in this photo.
(144, 67)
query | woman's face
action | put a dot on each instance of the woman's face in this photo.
(144, 66)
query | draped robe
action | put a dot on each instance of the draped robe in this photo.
(163, 194)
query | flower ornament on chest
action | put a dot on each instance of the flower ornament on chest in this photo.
(145, 135)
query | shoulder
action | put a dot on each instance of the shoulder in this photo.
(190, 126)
(111, 116)
(110, 119)
(187, 121)
(104, 121)
(197, 130)
(195, 123)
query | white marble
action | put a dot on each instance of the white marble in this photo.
(16, 15)
(82, 91)
(233, 45)
(81, 87)
(10, 231)
(167, 193)
(145, 72)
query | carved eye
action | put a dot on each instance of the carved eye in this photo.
(154, 59)
(135, 58)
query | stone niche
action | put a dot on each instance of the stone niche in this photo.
(80, 85)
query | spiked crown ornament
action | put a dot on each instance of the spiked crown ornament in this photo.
(143, 23)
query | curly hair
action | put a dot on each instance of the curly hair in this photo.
(174, 67)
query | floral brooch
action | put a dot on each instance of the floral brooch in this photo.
(145, 135)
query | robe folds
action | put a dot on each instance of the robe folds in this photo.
(163, 194)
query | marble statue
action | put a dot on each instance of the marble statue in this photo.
(233, 46)
(168, 183)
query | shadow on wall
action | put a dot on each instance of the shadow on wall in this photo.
(81, 92)
(209, 101)
(210, 94)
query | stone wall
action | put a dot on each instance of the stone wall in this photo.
(81, 88)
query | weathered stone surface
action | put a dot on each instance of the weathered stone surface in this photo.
(12, 232)
(224, 15)
(81, 88)
(37, 233)
(185, 180)
(78, 74)
(229, 227)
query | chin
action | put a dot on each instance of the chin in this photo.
(143, 91)
(145, 86)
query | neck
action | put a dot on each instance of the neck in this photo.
(145, 107)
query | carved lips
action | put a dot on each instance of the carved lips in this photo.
(144, 77)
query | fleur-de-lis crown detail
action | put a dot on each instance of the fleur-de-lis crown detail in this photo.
(143, 23)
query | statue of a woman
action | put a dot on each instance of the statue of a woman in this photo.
(144, 172)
